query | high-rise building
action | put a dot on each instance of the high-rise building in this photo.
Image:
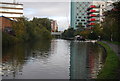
(11, 10)
(96, 12)
(79, 14)
(86, 13)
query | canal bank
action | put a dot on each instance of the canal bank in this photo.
(111, 69)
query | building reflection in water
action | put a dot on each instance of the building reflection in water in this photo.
(96, 58)
(78, 62)
(86, 60)
(60, 59)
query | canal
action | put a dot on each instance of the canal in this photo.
(55, 59)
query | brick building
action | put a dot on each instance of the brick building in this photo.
(9, 12)
(54, 26)
(5, 23)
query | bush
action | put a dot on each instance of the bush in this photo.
(38, 28)
(8, 39)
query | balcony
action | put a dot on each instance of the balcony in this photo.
(92, 15)
(91, 23)
(94, 11)
(94, 6)
(93, 19)
(89, 9)
(89, 13)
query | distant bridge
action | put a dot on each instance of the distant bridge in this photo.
(56, 34)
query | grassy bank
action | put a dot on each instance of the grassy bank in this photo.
(111, 66)
(113, 42)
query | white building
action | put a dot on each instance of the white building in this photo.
(88, 12)
(96, 11)
(11, 10)
(103, 6)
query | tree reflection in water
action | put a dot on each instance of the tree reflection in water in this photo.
(15, 57)
(55, 59)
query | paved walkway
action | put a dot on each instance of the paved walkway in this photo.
(116, 48)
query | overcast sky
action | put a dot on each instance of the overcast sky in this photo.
(53, 9)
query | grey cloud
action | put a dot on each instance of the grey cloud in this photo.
(48, 9)
(55, 10)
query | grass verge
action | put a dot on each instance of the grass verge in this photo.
(113, 42)
(111, 66)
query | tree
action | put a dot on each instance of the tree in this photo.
(111, 23)
(80, 27)
(20, 28)
(43, 22)
(68, 33)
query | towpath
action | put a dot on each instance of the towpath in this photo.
(116, 48)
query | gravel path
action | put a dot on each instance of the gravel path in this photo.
(116, 48)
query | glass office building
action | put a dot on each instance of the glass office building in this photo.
(79, 11)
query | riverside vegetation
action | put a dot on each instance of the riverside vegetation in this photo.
(107, 30)
(24, 31)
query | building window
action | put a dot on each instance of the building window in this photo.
(82, 20)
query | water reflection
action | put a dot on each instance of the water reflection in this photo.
(86, 60)
(96, 59)
(78, 60)
(15, 58)
(37, 60)
(55, 59)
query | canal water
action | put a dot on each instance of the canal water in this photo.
(55, 59)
